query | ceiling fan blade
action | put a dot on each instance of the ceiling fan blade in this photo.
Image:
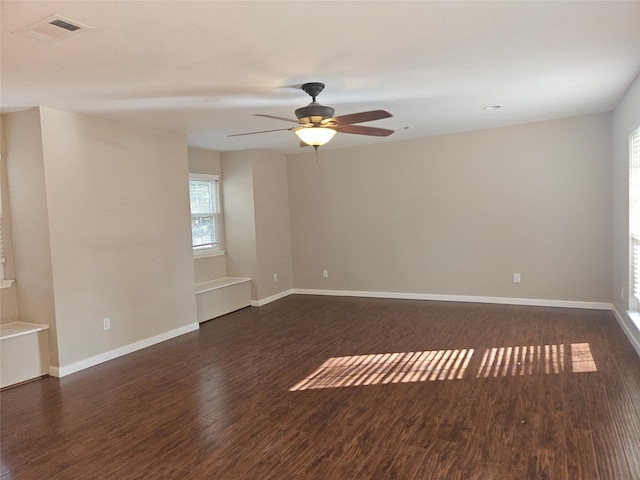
(362, 130)
(275, 118)
(361, 117)
(262, 131)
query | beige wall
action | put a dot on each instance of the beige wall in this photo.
(209, 268)
(203, 161)
(207, 161)
(460, 214)
(239, 216)
(115, 200)
(256, 210)
(626, 117)
(273, 237)
(8, 304)
(27, 190)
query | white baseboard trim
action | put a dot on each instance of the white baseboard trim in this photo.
(627, 329)
(272, 298)
(119, 352)
(460, 298)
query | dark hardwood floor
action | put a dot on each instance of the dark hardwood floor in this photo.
(475, 391)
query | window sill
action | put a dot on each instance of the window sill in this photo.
(206, 252)
(635, 318)
(6, 283)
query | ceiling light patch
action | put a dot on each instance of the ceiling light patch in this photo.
(492, 107)
(52, 29)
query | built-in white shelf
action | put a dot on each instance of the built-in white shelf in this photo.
(218, 297)
(24, 353)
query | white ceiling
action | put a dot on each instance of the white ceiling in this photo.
(204, 68)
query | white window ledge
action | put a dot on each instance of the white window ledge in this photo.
(6, 283)
(207, 252)
(635, 318)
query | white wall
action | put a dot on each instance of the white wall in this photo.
(626, 117)
(118, 242)
(459, 214)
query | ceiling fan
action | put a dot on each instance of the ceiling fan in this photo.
(317, 125)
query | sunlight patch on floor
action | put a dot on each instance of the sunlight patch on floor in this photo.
(432, 365)
(536, 359)
(581, 358)
(383, 368)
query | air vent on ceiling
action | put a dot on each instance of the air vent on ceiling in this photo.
(52, 29)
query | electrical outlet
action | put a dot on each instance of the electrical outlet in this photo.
(516, 278)
(275, 277)
(325, 273)
(106, 323)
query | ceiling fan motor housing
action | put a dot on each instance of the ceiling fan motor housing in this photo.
(314, 113)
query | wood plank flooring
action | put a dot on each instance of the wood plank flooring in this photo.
(218, 404)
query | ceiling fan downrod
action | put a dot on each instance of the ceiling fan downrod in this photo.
(313, 89)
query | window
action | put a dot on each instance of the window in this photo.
(2, 256)
(206, 216)
(634, 157)
(3, 282)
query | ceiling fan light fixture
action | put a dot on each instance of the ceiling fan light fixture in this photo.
(315, 136)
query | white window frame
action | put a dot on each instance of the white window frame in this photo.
(634, 216)
(217, 248)
(4, 282)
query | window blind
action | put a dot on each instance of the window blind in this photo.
(634, 154)
(204, 191)
(2, 255)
